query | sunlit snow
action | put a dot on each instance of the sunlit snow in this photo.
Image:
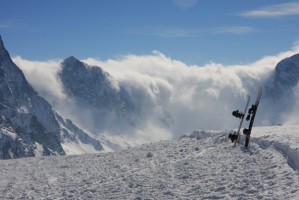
(202, 165)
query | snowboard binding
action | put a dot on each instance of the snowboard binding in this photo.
(250, 112)
(246, 131)
(233, 136)
(248, 117)
(238, 114)
(252, 109)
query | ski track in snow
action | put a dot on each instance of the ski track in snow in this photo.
(189, 168)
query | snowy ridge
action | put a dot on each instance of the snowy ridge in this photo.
(202, 165)
(75, 140)
(27, 116)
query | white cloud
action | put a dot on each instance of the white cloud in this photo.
(175, 98)
(42, 75)
(195, 93)
(283, 9)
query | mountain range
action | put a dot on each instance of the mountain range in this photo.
(99, 111)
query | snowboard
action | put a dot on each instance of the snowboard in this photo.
(236, 137)
(251, 116)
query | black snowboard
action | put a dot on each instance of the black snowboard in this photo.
(251, 115)
(235, 137)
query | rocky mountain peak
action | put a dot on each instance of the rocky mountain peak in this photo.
(1, 43)
(71, 61)
(4, 55)
(287, 72)
(97, 88)
(26, 118)
(280, 87)
(84, 81)
(29, 125)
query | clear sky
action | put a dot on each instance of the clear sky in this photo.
(193, 31)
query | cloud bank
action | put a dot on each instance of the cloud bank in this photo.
(175, 98)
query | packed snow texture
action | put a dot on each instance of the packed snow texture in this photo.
(201, 165)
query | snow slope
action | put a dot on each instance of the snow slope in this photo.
(202, 165)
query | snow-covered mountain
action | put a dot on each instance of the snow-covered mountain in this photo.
(29, 126)
(98, 89)
(97, 102)
(282, 90)
(200, 165)
(286, 75)
(27, 119)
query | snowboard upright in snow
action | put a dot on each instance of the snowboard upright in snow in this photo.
(251, 116)
(236, 137)
(241, 122)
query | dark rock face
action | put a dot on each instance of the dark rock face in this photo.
(284, 79)
(28, 124)
(286, 74)
(281, 90)
(94, 86)
(26, 118)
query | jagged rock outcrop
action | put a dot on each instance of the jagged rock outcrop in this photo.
(281, 90)
(28, 124)
(285, 77)
(28, 116)
(97, 88)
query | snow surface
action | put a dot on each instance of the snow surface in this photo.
(72, 148)
(202, 165)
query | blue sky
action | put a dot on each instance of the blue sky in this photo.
(193, 31)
